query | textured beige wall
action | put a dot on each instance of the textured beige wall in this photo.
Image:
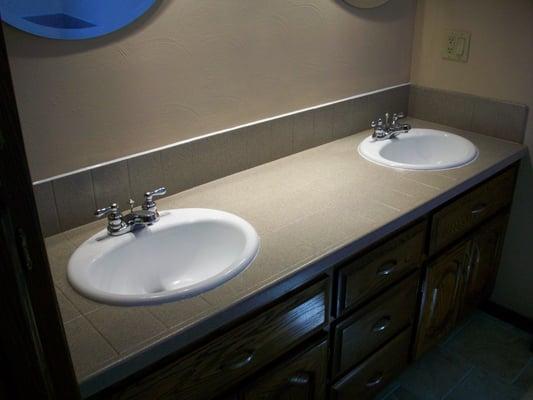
(500, 66)
(191, 67)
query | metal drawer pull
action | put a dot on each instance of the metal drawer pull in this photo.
(239, 362)
(387, 268)
(382, 324)
(300, 379)
(478, 209)
(375, 380)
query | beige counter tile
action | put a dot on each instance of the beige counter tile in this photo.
(125, 327)
(178, 313)
(89, 350)
(68, 312)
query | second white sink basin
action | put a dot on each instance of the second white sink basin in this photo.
(187, 252)
(420, 149)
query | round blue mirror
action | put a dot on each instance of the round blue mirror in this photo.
(72, 19)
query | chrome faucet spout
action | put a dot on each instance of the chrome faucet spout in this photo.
(383, 131)
(118, 224)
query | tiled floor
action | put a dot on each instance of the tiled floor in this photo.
(484, 359)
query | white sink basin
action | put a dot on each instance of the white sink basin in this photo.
(187, 252)
(420, 149)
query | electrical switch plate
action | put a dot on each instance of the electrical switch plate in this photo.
(456, 45)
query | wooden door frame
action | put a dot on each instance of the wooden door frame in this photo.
(36, 361)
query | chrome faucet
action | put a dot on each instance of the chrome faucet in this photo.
(390, 128)
(118, 224)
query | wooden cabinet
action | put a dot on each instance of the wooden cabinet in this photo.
(485, 253)
(458, 217)
(369, 328)
(236, 354)
(385, 264)
(441, 297)
(302, 378)
(369, 378)
(458, 281)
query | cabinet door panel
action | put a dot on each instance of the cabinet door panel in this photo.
(484, 261)
(441, 297)
(302, 378)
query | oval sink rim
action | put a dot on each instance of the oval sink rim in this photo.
(77, 275)
(380, 160)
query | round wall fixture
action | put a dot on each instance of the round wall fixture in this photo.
(366, 3)
(72, 19)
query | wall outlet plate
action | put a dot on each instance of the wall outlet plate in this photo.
(456, 46)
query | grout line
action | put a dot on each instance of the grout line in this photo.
(158, 319)
(456, 333)
(102, 336)
(60, 292)
(459, 383)
(61, 228)
(393, 387)
(56, 209)
(529, 363)
(93, 191)
(194, 139)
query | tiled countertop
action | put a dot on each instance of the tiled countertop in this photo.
(311, 210)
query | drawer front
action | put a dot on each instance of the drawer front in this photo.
(375, 324)
(368, 379)
(303, 377)
(380, 267)
(231, 357)
(464, 213)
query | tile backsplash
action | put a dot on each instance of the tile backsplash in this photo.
(70, 201)
(500, 119)
(67, 202)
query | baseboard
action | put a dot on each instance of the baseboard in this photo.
(509, 316)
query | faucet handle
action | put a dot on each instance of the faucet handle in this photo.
(111, 211)
(398, 116)
(378, 124)
(131, 202)
(149, 203)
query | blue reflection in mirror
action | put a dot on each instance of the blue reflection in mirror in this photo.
(72, 19)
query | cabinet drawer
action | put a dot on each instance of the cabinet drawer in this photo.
(368, 329)
(380, 267)
(231, 357)
(303, 377)
(368, 379)
(462, 214)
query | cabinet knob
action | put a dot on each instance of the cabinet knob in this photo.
(376, 380)
(387, 268)
(240, 361)
(300, 379)
(479, 208)
(382, 324)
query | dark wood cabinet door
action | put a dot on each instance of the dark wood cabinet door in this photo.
(485, 254)
(236, 354)
(441, 297)
(302, 378)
